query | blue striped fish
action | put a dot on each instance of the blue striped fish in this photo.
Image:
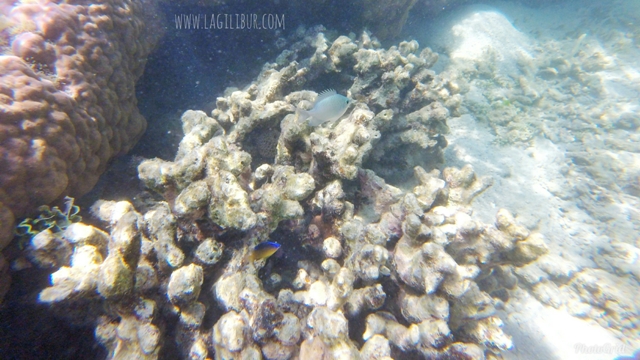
(263, 250)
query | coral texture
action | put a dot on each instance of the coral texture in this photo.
(409, 261)
(67, 100)
(421, 238)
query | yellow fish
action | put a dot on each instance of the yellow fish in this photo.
(263, 250)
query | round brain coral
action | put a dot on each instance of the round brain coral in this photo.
(67, 95)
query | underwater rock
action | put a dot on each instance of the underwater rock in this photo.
(266, 324)
(198, 350)
(531, 274)
(48, 250)
(224, 164)
(529, 249)
(376, 348)
(79, 234)
(191, 315)
(487, 332)
(417, 308)
(464, 185)
(313, 349)
(331, 247)
(228, 288)
(229, 206)
(289, 331)
(473, 243)
(130, 338)
(365, 299)
(341, 50)
(506, 223)
(229, 336)
(472, 305)
(621, 258)
(192, 199)
(161, 227)
(340, 289)
(190, 340)
(117, 273)
(563, 94)
(370, 262)
(421, 265)
(548, 293)
(89, 280)
(116, 278)
(76, 280)
(198, 128)
(184, 285)
(209, 252)
(332, 328)
(102, 264)
(341, 151)
(169, 177)
(279, 199)
(426, 337)
(329, 201)
(431, 187)
(380, 194)
(330, 267)
(146, 278)
(372, 66)
(466, 351)
(316, 295)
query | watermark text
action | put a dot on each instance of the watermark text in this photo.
(605, 348)
(229, 21)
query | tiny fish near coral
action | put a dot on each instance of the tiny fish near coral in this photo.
(329, 106)
(263, 250)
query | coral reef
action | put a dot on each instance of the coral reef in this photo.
(409, 261)
(67, 96)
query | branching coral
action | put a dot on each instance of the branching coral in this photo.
(407, 261)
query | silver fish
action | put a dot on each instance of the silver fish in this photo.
(329, 106)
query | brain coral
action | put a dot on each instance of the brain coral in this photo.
(67, 95)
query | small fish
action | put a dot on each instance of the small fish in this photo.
(263, 250)
(329, 106)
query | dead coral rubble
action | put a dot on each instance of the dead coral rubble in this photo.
(405, 261)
